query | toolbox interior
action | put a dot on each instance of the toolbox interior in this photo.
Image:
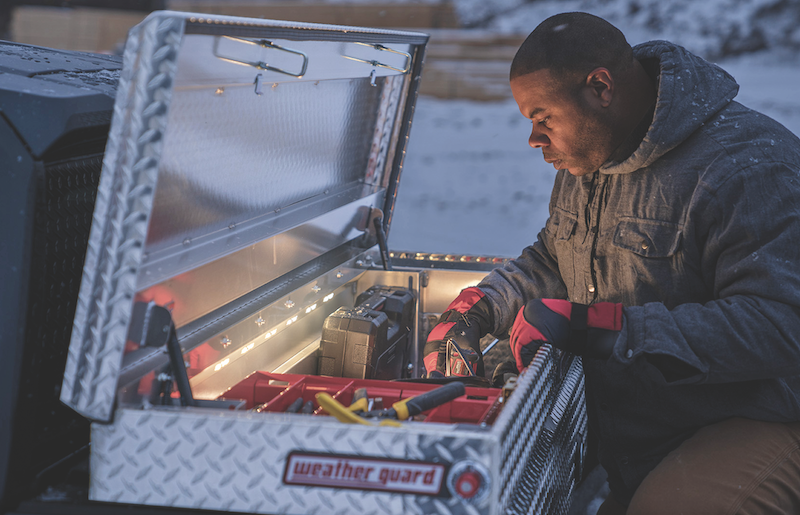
(281, 362)
(275, 392)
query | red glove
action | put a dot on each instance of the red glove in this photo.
(583, 330)
(465, 321)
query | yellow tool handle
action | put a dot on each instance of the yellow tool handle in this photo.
(343, 414)
(361, 404)
(338, 410)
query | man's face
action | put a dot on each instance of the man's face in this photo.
(568, 127)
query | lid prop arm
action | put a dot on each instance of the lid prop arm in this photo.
(179, 367)
(381, 234)
(152, 326)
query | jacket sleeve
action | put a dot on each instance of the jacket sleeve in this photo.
(534, 274)
(750, 237)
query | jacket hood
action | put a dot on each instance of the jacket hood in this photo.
(690, 91)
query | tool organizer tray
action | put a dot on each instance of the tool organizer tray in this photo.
(276, 392)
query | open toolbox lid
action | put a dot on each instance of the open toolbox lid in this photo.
(243, 154)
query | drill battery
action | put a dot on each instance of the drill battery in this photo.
(372, 340)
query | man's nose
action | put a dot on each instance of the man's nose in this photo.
(538, 140)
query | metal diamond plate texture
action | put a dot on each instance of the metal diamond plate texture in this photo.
(235, 461)
(381, 151)
(543, 432)
(551, 471)
(119, 223)
(566, 453)
(522, 418)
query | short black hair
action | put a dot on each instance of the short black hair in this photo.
(571, 45)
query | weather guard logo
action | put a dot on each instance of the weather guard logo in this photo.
(326, 470)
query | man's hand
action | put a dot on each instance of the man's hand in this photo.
(465, 321)
(583, 330)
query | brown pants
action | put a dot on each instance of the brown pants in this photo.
(738, 466)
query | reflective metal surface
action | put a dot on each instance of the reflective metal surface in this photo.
(122, 208)
(211, 191)
(233, 157)
(234, 461)
(201, 289)
(444, 286)
(326, 60)
(239, 168)
(272, 336)
(543, 435)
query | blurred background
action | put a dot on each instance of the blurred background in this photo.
(470, 183)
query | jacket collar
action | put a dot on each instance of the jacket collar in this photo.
(690, 91)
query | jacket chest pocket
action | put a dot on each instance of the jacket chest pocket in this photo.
(650, 266)
(648, 238)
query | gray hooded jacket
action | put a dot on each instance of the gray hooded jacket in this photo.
(697, 234)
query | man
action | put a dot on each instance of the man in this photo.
(670, 262)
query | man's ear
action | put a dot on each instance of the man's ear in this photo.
(601, 86)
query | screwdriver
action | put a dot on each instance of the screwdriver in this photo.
(401, 410)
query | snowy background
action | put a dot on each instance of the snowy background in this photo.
(472, 185)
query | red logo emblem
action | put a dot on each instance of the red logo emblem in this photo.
(362, 473)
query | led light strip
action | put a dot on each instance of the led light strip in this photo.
(272, 332)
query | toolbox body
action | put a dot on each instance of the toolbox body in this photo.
(247, 188)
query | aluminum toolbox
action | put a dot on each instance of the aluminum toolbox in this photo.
(248, 182)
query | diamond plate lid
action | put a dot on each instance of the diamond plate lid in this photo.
(242, 153)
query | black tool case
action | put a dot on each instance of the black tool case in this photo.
(246, 194)
(372, 340)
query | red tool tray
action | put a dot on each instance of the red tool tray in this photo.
(275, 392)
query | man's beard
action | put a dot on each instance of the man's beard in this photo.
(593, 145)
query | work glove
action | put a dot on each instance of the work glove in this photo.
(583, 330)
(465, 321)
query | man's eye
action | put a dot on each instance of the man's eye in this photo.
(545, 122)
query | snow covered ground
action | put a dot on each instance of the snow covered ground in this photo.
(472, 185)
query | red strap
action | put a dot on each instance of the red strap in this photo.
(562, 307)
(430, 361)
(605, 315)
(439, 331)
(466, 299)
